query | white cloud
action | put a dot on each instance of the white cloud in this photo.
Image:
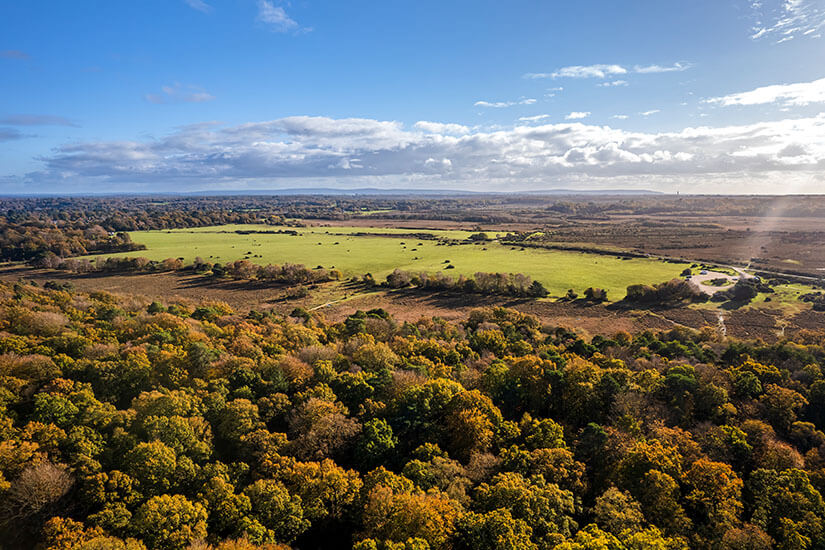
(652, 69)
(576, 115)
(310, 150)
(275, 17)
(798, 94)
(534, 118)
(503, 104)
(441, 127)
(179, 93)
(199, 5)
(581, 71)
(445, 163)
(650, 112)
(612, 83)
(620, 117)
(785, 20)
(607, 70)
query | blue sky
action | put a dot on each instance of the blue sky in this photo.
(184, 95)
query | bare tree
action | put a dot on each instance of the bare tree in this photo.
(37, 488)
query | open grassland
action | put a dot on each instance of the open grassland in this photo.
(784, 299)
(378, 252)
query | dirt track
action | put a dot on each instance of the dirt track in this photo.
(699, 280)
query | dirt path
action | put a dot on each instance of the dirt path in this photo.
(700, 280)
(723, 329)
(328, 304)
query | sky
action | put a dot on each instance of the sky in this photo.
(705, 96)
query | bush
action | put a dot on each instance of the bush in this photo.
(672, 292)
(744, 290)
(596, 295)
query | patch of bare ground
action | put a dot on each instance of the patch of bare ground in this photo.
(590, 319)
(753, 323)
(695, 318)
(165, 286)
(408, 305)
(809, 320)
(743, 323)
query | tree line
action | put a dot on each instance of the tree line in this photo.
(501, 284)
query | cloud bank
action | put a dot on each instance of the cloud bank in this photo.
(799, 94)
(766, 155)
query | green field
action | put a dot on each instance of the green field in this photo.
(784, 298)
(336, 247)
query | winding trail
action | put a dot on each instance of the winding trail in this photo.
(723, 330)
(326, 304)
(700, 281)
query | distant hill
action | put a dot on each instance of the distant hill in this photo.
(332, 191)
(370, 191)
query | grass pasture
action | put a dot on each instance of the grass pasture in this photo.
(379, 252)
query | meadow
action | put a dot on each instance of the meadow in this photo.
(378, 252)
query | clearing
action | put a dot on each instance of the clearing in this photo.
(358, 250)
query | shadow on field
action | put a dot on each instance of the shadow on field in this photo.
(457, 300)
(230, 284)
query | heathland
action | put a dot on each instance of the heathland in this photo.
(221, 373)
(560, 242)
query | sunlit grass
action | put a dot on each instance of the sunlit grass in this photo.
(340, 248)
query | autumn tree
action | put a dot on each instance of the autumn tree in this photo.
(170, 522)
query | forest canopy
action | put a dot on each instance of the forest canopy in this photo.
(133, 425)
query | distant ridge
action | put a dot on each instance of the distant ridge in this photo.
(333, 191)
(426, 192)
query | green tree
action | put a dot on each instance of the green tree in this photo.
(327, 491)
(616, 511)
(546, 508)
(376, 443)
(659, 495)
(170, 522)
(471, 424)
(153, 465)
(788, 507)
(227, 511)
(781, 406)
(495, 530)
(186, 436)
(278, 511)
(715, 493)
